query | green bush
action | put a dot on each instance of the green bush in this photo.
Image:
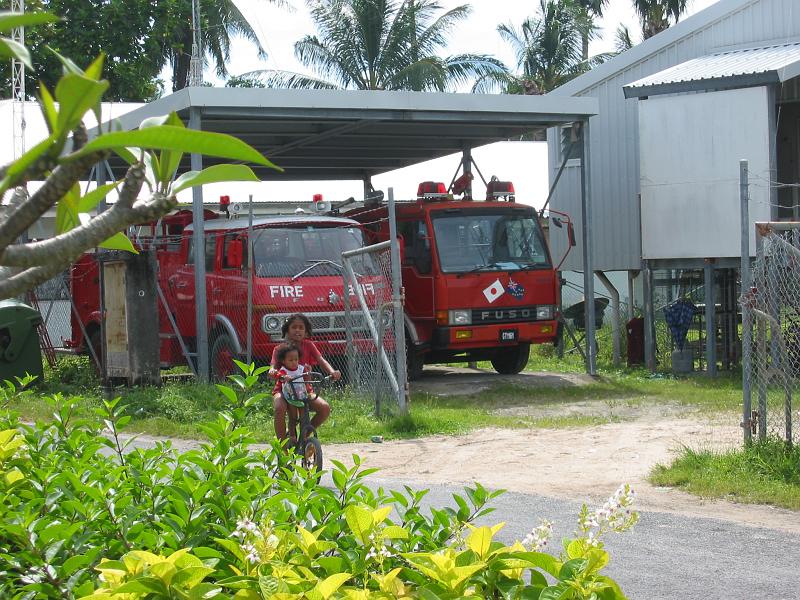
(86, 514)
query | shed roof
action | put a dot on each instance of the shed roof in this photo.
(723, 70)
(337, 134)
(650, 46)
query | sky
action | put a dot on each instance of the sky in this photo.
(524, 163)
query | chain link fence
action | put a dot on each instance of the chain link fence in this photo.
(772, 309)
(376, 357)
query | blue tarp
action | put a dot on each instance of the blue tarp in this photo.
(679, 316)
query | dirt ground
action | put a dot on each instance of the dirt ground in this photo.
(580, 464)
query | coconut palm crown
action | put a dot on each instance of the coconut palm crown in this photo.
(382, 45)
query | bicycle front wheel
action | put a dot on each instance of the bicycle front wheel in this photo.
(312, 454)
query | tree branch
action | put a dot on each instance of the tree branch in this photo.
(68, 246)
(54, 188)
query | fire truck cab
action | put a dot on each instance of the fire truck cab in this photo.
(479, 281)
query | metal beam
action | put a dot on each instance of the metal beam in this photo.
(199, 253)
(588, 271)
(711, 319)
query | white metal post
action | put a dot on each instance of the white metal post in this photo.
(711, 319)
(747, 313)
(588, 271)
(199, 253)
(250, 267)
(397, 299)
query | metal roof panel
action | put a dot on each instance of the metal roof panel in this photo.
(723, 70)
(350, 134)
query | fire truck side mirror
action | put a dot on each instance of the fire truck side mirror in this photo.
(571, 234)
(235, 252)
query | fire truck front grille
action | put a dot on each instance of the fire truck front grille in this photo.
(321, 323)
(486, 316)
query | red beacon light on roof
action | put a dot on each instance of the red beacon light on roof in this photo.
(319, 204)
(499, 189)
(431, 190)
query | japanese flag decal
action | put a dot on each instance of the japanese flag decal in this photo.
(494, 291)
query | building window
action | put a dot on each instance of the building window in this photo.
(572, 142)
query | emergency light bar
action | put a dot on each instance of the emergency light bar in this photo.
(499, 189)
(431, 189)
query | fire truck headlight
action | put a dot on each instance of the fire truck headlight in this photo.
(544, 313)
(460, 317)
(272, 324)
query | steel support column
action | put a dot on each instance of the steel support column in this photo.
(588, 271)
(711, 319)
(649, 318)
(199, 254)
(615, 316)
(747, 313)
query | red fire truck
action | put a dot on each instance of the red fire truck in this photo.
(296, 268)
(479, 281)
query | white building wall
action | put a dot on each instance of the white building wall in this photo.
(690, 151)
(614, 133)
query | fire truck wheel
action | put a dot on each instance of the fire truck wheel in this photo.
(96, 342)
(414, 362)
(222, 355)
(510, 361)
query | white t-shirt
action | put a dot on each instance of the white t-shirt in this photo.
(298, 387)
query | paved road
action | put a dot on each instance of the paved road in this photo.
(665, 556)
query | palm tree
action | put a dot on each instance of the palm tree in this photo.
(382, 45)
(655, 15)
(587, 11)
(547, 47)
(623, 39)
(220, 21)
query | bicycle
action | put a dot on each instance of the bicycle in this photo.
(308, 446)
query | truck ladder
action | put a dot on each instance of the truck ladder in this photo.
(45, 342)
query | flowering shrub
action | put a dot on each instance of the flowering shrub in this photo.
(88, 515)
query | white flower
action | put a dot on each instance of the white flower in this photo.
(539, 536)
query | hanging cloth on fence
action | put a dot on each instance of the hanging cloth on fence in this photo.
(679, 316)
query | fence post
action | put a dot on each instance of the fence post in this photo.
(711, 318)
(250, 267)
(747, 313)
(761, 342)
(397, 299)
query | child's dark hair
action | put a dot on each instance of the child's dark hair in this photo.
(296, 317)
(284, 349)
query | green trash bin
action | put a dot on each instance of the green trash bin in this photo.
(19, 341)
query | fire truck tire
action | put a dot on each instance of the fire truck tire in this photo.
(222, 355)
(510, 361)
(96, 342)
(414, 361)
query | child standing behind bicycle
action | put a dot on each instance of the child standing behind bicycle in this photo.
(296, 330)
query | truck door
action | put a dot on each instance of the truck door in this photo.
(181, 285)
(416, 269)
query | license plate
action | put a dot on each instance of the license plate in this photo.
(508, 335)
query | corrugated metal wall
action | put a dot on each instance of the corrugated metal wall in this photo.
(614, 132)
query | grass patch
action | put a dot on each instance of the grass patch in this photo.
(765, 473)
(178, 408)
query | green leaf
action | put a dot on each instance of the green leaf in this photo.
(93, 198)
(555, 592)
(328, 587)
(48, 107)
(214, 174)
(572, 569)
(67, 210)
(12, 49)
(168, 161)
(228, 393)
(11, 20)
(76, 94)
(479, 541)
(360, 521)
(191, 576)
(17, 168)
(168, 137)
(95, 70)
(119, 241)
(394, 532)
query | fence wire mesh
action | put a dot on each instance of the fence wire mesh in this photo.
(773, 303)
(373, 355)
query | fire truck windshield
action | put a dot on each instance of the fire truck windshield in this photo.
(491, 240)
(289, 251)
